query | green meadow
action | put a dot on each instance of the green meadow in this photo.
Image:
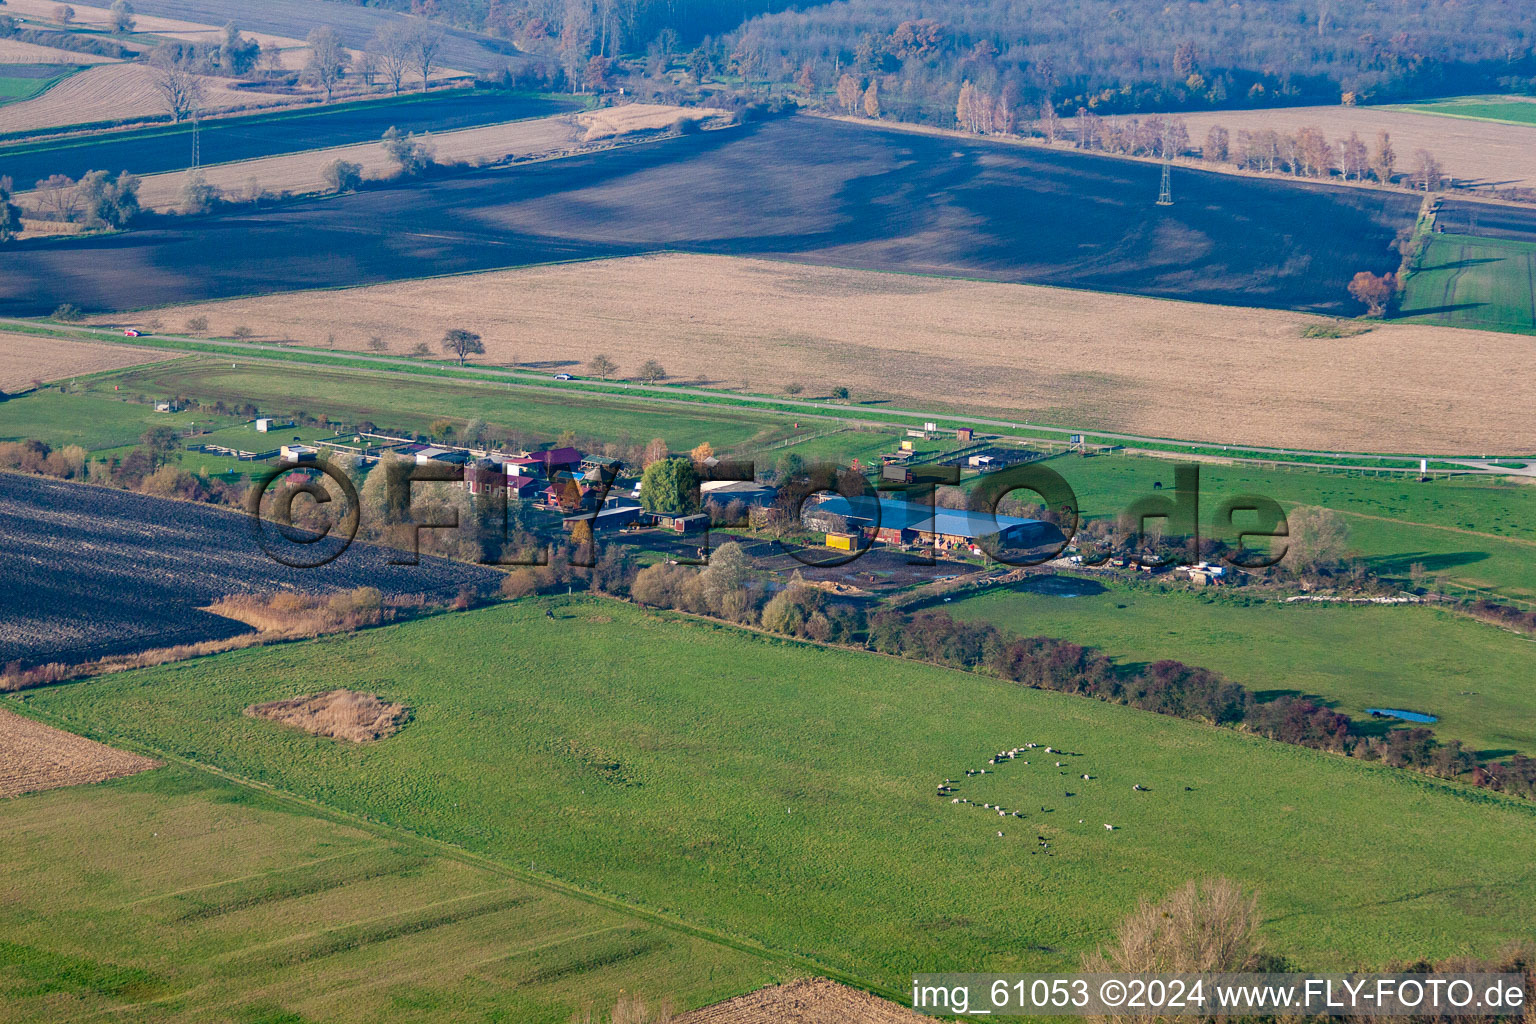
(175, 896)
(785, 793)
(1475, 677)
(96, 422)
(1466, 281)
(33, 80)
(1471, 532)
(1480, 108)
(414, 403)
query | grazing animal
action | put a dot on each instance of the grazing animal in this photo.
(1188, 789)
(1069, 793)
(954, 800)
(999, 835)
(1137, 787)
(1085, 776)
(1109, 828)
(1058, 764)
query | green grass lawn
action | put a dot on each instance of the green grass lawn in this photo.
(1472, 531)
(1481, 108)
(177, 897)
(96, 422)
(1464, 281)
(39, 79)
(785, 792)
(1475, 677)
(414, 403)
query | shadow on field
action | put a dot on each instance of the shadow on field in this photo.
(1403, 563)
(800, 188)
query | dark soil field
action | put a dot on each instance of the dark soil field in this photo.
(463, 51)
(804, 189)
(1513, 223)
(153, 150)
(90, 572)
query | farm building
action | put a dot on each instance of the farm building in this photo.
(552, 460)
(293, 454)
(694, 523)
(723, 492)
(449, 456)
(601, 464)
(615, 517)
(908, 523)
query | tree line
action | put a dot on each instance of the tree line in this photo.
(1111, 57)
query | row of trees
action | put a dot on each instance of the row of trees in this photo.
(396, 52)
(603, 367)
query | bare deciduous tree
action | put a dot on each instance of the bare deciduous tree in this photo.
(179, 81)
(328, 60)
(390, 49)
(57, 194)
(426, 43)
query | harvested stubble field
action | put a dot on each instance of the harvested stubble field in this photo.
(808, 189)
(99, 16)
(1111, 362)
(807, 1001)
(119, 92)
(607, 122)
(209, 901)
(91, 572)
(1478, 151)
(464, 50)
(34, 757)
(249, 137)
(25, 358)
(13, 51)
(304, 172)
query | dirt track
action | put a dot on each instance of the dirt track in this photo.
(1113, 362)
(809, 1001)
(34, 756)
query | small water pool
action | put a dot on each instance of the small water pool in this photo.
(1061, 586)
(1407, 716)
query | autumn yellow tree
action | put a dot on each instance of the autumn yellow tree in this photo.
(872, 100)
(848, 93)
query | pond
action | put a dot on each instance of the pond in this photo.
(1407, 716)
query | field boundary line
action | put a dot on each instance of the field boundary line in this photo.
(741, 944)
(400, 366)
(1432, 526)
